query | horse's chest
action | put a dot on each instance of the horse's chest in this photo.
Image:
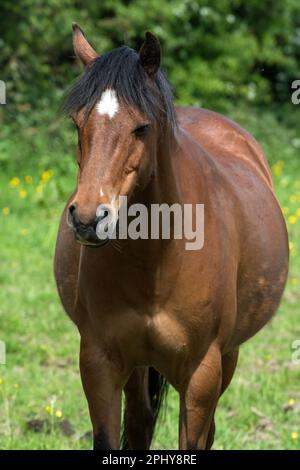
(164, 332)
(141, 322)
(159, 340)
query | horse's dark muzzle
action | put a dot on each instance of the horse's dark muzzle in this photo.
(85, 233)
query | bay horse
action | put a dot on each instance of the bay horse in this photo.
(149, 312)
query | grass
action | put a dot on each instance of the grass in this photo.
(42, 405)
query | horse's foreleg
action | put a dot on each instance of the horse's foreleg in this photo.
(100, 383)
(138, 419)
(198, 401)
(229, 362)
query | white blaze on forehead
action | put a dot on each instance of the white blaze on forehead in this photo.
(108, 103)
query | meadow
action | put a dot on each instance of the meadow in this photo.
(42, 405)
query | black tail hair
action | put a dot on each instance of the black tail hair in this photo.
(158, 388)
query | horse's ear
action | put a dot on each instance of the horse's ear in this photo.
(150, 54)
(82, 48)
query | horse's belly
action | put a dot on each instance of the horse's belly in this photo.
(259, 292)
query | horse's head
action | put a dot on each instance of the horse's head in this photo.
(120, 106)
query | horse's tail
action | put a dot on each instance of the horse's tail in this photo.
(157, 388)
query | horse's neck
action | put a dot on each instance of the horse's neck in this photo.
(162, 187)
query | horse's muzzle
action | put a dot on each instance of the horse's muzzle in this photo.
(85, 233)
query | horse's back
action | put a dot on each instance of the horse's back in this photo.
(224, 140)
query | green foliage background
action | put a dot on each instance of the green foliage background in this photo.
(214, 51)
(237, 57)
(228, 55)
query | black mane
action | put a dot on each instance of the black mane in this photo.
(121, 70)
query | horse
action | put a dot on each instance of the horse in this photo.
(150, 312)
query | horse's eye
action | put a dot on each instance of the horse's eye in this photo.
(141, 131)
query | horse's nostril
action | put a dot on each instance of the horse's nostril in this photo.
(72, 215)
(72, 208)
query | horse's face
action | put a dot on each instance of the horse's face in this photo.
(115, 154)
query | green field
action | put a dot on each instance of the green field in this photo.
(42, 405)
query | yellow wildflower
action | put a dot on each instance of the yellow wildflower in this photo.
(49, 409)
(277, 168)
(22, 193)
(292, 219)
(5, 211)
(291, 402)
(294, 252)
(58, 414)
(14, 182)
(277, 171)
(39, 189)
(285, 210)
(294, 281)
(28, 179)
(1, 381)
(46, 175)
(298, 212)
(294, 435)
